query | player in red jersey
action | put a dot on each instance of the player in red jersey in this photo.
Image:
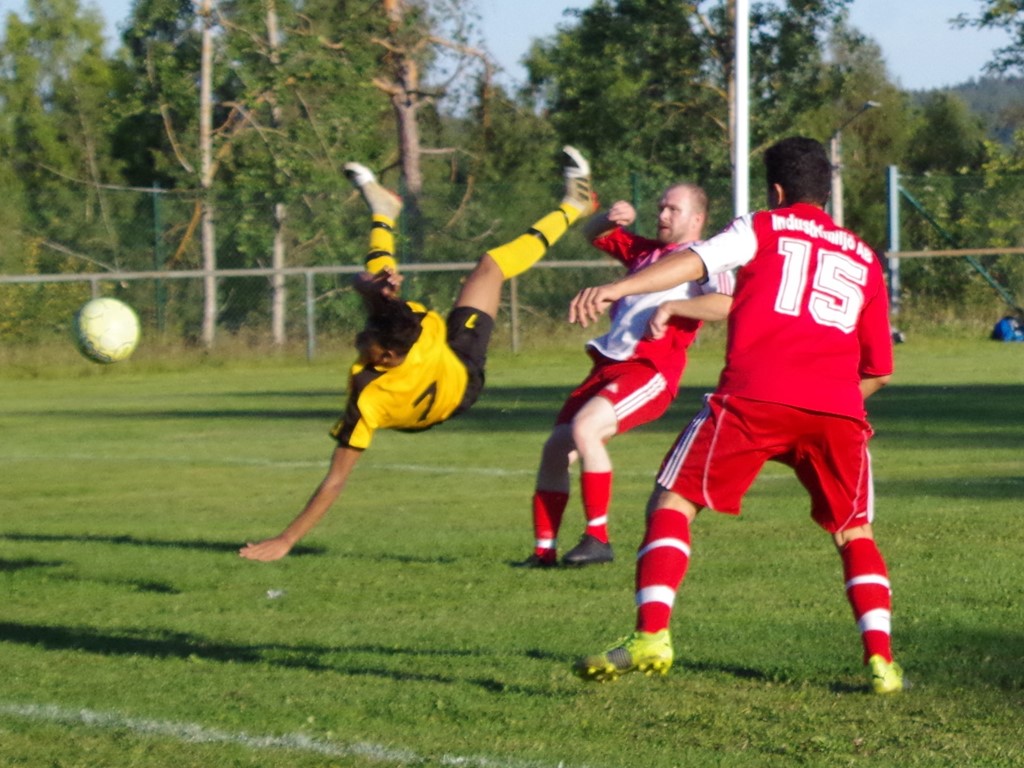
(634, 377)
(808, 342)
(415, 368)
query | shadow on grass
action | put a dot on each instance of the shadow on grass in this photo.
(24, 564)
(964, 656)
(189, 647)
(684, 665)
(302, 550)
(514, 408)
(133, 541)
(951, 415)
(980, 488)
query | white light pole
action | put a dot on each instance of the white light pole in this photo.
(836, 158)
(741, 110)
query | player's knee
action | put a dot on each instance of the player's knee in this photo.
(592, 426)
(842, 538)
(582, 432)
(663, 498)
(556, 450)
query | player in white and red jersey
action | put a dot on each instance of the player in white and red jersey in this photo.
(808, 341)
(634, 377)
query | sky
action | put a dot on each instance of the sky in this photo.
(921, 49)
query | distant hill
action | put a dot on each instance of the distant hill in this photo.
(998, 101)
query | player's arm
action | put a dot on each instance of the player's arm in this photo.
(671, 270)
(621, 214)
(876, 357)
(342, 462)
(377, 288)
(711, 307)
(871, 384)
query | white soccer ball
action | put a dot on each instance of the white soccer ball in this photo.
(106, 330)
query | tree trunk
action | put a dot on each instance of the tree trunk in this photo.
(404, 90)
(410, 150)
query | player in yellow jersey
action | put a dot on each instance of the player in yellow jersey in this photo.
(416, 369)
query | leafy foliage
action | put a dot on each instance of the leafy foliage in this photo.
(55, 136)
(1001, 14)
(100, 160)
(646, 84)
(996, 100)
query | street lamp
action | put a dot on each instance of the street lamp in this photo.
(836, 158)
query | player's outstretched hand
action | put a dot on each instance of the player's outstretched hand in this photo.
(267, 550)
(590, 303)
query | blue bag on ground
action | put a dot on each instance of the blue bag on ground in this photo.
(1008, 329)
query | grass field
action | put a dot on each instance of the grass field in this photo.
(132, 635)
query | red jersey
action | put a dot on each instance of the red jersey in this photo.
(810, 314)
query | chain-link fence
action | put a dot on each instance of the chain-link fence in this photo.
(318, 304)
(150, 257)
(146, 250)
(981, 215)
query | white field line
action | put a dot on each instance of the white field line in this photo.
(268, 463)
(427, 469)
(193, 733)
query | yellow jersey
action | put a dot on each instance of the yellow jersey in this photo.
(424, 390)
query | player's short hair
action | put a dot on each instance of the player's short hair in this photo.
(801, 167)
(393, 326)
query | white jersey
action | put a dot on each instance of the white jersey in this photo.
(631, 314)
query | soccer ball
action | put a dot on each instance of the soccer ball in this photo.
(106, 330)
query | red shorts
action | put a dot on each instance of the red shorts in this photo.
(715, 460)
(638, 392)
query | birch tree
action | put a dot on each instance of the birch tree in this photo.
(55, 138)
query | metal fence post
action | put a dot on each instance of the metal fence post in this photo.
(310, 317)
(893, 188)
(513, 311)
(159, 294)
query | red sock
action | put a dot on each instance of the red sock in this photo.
(867, 589)
(596, 492)
(661, 565)
(548, 508)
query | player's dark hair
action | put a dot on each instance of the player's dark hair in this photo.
(801, 167)
(393, 326)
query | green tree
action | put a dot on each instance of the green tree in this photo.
(1000, 14)
(628, 83)
(868, 140)
(291, 105)
(949, 138)
(646, 85)
(55, 138)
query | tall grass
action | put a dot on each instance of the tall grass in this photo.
(132, 635)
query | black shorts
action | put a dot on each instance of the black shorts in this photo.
(469, 334)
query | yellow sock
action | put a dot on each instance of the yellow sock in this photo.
(516, 257)
(382, 245)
